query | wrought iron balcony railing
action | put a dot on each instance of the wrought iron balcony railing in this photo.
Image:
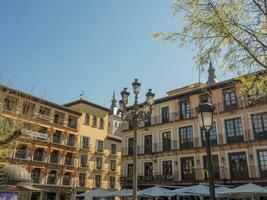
(221, 174)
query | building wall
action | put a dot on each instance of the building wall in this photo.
(45, 126)
(250, 144)
(96, 134)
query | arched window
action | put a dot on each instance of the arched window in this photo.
(101, 123)
(66, 178)
(94, 121)
(86, 119)
(52, 176)
(21, 151)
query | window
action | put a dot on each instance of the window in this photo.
(35, 175)
(148, 144)
(42, 133)
(101, 123)
(85, 142)
(229, 98)
(52, 177)
(165, 114)
(10, 103)
(44, 111)
(167, 167)
(72, 122)
(82, 179)
(99, 163)
(148, 169)
(130, 146)
(94, 121)
(215, 166)
(185, 109)
(21, 151)
(166, 141)
(99, 146)
(259, 124)
(71, 140)
(112, 165)
(97, 181)
(66, 178)
(59, 118)
(113, 149)
(38, 154)
(238, 165)
(112, 182)
(57, 137)
(262, 157)
(86, 119)
(129, 170)
(188, 169)
(234, 130)
(213, 135)
(54, 156)
(205, 98)
(83, 161)
(28, 108)
(186, 137)
(69, 159)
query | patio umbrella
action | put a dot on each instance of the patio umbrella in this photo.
(100, 192)
(194, 190)
(155, 192)
(249, 190)
(121, 193)
(221, 189)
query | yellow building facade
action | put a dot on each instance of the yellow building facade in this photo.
(171, 145)
(99, 147)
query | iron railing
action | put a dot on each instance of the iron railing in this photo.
(197, 175)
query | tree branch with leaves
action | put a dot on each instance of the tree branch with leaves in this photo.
(234, 32)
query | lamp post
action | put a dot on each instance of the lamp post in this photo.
(134, 115)
(205, 116)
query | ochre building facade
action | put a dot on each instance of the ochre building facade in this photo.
(171, 145)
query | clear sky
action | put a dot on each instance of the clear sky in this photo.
(57, 48)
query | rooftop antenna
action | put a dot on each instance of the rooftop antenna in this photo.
(82, 95)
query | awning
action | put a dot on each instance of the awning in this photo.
(31, 188)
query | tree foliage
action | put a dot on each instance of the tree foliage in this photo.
(232, 31)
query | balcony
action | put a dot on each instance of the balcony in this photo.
(69, 162)
(21, 154)
(35, 179)
(155, 120)
(222, 175)
(54, 160)
(66, 181)
(51, 180)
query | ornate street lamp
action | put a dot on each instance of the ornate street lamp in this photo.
(205, 116)
(134, 115)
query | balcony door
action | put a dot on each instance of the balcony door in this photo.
(238, 165)
(148, 169)
(130, 146)
(167, 168)
(215, 166)
(148, 144)
(188, 168)
(166, 141)
(165, 114)
(262, 157)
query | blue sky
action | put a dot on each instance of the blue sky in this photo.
(57, 48)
